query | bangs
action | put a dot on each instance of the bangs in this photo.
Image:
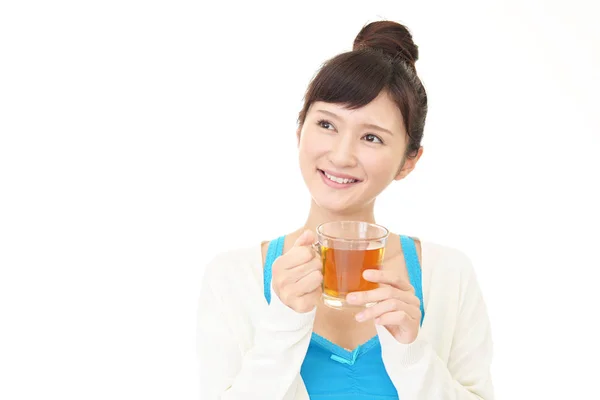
(352, 79)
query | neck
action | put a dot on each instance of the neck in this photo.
(319, 215)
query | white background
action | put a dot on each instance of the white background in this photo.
(139, 139)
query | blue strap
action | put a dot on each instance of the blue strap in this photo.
(275, 250)
(414, 268)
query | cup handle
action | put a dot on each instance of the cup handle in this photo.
(316, 246)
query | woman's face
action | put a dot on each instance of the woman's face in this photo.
(347, 157)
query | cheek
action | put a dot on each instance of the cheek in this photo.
(381, 168)
(312, 145)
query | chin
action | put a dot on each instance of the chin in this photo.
(336, 206)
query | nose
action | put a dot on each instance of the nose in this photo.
(342, 154)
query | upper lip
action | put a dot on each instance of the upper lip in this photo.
(340, 175)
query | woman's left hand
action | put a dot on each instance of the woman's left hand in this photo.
(396, 306)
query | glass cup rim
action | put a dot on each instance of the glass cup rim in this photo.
(384, 236)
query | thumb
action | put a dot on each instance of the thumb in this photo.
(305, 239)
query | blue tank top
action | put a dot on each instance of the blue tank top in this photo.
(331, 372)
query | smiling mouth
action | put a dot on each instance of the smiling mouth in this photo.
(337, 179)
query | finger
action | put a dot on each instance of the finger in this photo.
(305, 239)
(315, 293)
(307, 284)
(387, 306)
(388, 277)
(308, 301)
(397, 318)
(381, 294)
(301, 255)
(300, 272)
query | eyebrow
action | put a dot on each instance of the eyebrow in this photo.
(370, 126)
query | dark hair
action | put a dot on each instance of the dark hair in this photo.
(383, 58)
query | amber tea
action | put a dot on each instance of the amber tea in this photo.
(347, 249)
(343, 269)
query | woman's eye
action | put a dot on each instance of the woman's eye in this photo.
(372, 138)
(325, 124)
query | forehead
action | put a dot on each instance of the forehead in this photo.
(382, 111)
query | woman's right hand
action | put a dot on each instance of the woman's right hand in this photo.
(297, 275)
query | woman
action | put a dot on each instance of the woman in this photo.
(263, 331)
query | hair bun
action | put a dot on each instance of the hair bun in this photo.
(391, 38)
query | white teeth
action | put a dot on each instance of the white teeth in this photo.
(338, 180)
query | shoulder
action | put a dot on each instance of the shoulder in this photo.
(446, 262)
(234, 265)
(448, 270)
(444, 256)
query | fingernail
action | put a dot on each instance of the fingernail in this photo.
(360, 316)
(351, 298)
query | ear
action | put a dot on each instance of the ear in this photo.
(408, 165)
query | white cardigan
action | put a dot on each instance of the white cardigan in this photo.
(249, 349)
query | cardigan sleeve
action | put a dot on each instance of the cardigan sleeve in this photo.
(417, 371)
(270, 369)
